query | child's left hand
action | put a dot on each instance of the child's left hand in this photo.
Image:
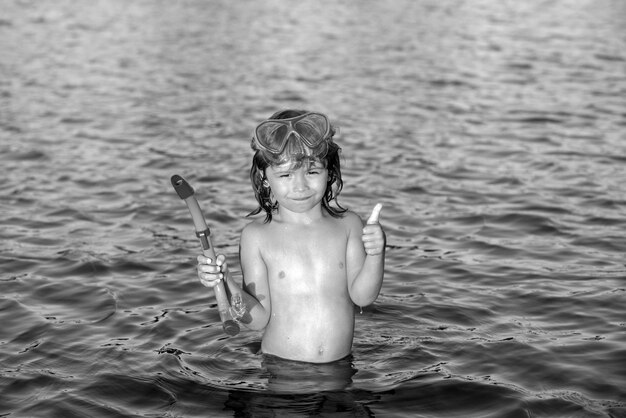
(373, 235)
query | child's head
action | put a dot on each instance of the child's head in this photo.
(297, 137)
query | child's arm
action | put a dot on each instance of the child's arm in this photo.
(255, 279)
(255, 294)
(366, 259)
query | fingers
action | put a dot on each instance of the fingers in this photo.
(202, 259)
(373, 219)
(373, 234)
(373, 239)
(209, 273)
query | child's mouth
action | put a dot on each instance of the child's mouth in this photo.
(300, 198)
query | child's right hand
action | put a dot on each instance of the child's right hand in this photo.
(211, 273)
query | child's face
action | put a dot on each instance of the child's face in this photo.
(298, 189)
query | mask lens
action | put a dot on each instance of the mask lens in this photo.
(272, 135)
(312, 129)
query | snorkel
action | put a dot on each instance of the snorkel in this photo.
(186, 192)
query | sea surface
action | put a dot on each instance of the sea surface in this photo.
(493, 131)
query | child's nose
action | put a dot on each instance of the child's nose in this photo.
(301, 183)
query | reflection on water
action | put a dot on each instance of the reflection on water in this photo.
(285, 376)
(303, 389)
(493, 132)
(261, 404)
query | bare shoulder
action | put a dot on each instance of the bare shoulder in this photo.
(352, 221)
(251, 242)
(253, 231)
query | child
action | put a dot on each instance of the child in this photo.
(307, 263)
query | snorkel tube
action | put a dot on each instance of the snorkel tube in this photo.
(186, 192)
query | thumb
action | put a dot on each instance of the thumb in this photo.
(373, 219)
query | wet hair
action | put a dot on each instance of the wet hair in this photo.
(298, 154)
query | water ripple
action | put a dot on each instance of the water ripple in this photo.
(493, 132)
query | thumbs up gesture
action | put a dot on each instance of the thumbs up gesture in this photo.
(373, 235)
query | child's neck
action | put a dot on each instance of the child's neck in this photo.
(310, 217)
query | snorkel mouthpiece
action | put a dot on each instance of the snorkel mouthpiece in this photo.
(182, 188)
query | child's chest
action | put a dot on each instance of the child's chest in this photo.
(306, 242)
(313, 253)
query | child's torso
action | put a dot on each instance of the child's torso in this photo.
(312, 316)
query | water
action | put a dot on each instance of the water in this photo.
(493, 131)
